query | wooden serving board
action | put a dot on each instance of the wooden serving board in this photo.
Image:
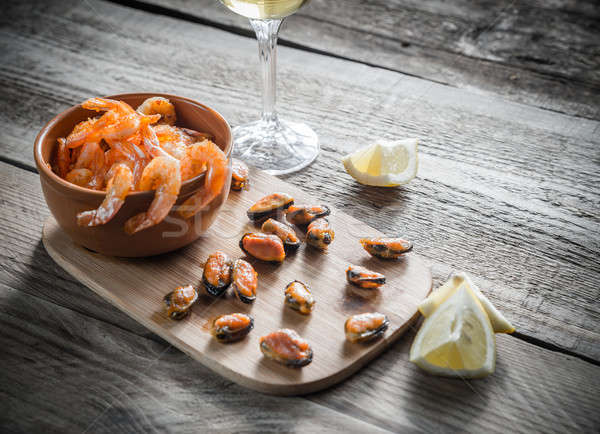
(138, 285)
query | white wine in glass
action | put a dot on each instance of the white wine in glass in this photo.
(275, 145)
(264, 9)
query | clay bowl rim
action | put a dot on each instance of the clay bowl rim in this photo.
(43, 165)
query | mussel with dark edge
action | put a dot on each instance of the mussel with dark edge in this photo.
(239, 175)
(287, 347)
(217, 274)
(320, 234)
(365, 326)
(364, 278)
(232, 327)
(299, 297)
(179, 301)
(286, 233)
(386, 248)
(244, 281)
(266, 247)
(270, 206)
(304, 214)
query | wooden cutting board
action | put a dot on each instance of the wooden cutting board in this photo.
(138, 285)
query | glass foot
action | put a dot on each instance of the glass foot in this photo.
(275, 146)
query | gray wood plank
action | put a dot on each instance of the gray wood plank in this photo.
(536, 52)
(55, 360)
(532, 390)
(24, 263)
(65, 372)
(504, 191)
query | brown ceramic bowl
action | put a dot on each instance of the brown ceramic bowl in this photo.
(66, 200)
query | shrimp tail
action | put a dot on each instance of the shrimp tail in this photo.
(163, 174)
(158, 211)
(117, 188)
(213, 184)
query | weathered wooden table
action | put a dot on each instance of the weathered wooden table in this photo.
(504, 96)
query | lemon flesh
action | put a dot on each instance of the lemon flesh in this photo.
(499, 323)
(385, 163)
(457, 340)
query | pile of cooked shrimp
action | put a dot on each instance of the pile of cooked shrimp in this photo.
(124, 150)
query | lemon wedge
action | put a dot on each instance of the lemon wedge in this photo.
(384, 163)
(457, 340)
(499, 323)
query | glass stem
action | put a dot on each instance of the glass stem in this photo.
(266, 33)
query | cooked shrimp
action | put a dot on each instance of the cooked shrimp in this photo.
(161, 106)
(162, 174)
(119, 184)
(172, 140)
(119, 122)
(150, 142)
(125, 121)
(90, 130)
(80, 177)
(92, 157)
(198, 155)
(63, 158)
(85, 131)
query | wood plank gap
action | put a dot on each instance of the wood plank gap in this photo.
(19, 164)
(480, 31)
(551, 347)
(173, 13)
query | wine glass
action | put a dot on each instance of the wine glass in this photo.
(276, 145)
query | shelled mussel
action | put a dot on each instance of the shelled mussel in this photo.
(299, 297)
(320, 234)
(386, 248)
(287, 347)
(244, 281)
(365, 326)
(239, 175)
(266, 247)
(304, 214)
(270, 206)
(217, 274)
(179, 301)
(232, 327)
(364, 278)
(286, 233)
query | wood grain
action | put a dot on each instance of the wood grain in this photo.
(505, 192)
(66, 372)
(137, 287)
(535, 52)
(56, 359)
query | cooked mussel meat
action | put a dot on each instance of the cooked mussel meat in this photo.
(244, 281)
(304, 214)
(180, 301)
(291, 242)
(270, 206)
(365, 326)
(299, 297)
(386, 248)
(232, 327)
(266, 247)
(364, 278)
(285, 346)
(239, 175)
(319, 234)
(217, 273)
